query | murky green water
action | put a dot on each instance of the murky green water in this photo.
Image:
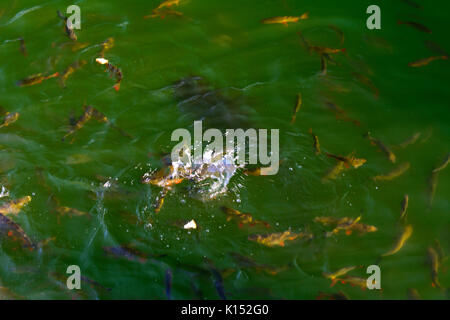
(257, 70)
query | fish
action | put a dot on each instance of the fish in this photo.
(411, 140)
(426, 61)
(413, 294)
(94, 283)
(397, 172)
(353, 281)
(415, 25)
(338, 273)
(106, 45)
(168, 4)
(297, 107)
(126, 252)
(10, 117)
(161, 179)
(367, 82)
(22, 47)
(334, 172)
(15, 206)
(14, 232)
(433, 46)
(71, 211)
(346, 224)
(69, 71)
(286, 19)
(168, 282)
(68, 29)
(325, 50)
(316, 142)
(404, 204)
(113, 70)
(277, 239)
(244, 218)
(432, 185)
(349, 161)
(443, 165)
(163, 13)
(340, 113)
(35, 79)
(160, 200)
(413, 4)
(339, 32)
(404, 236)
(88, 113)
(433, 259)
(386, 150)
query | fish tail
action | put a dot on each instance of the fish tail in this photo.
(117, 86)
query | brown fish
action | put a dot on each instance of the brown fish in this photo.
(35, 79)
(243, 218)
(411, 140)
(397, 172)
(9, 119)
(406, 233)
(426, 61)
(443, 165)
(23, 48)
(297, 107)
(69, 71)
(277, 239)
(67, 29)
(14, 232)
(415, 25)
(15, 206)
(405, 202)
(386, 150)
(285, 20)
(316, 142)
(433, 259)
(349, 161)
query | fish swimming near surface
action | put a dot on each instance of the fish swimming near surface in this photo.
(350, 161)
(397, 172)
(433, 259)
(443, 165)
(404, 204)
(432, 186)
(338, 273)
(113, 71)
(433, 46)
(278, 239)
(426, 61)
(15, 206)
(413, 294)
(367, 82)
(88, 113)
(69, 71)
(286, 19)
(415, 25)
(404, 236)
(14, 232)
(243, 218)
(411, 140)
(106, 45)
(385, 149)
(10, 117)
(35, 79)
(297, 107)
(316, 142)
(353, 281)
(68, 29)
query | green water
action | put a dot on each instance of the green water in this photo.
(260, 69)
